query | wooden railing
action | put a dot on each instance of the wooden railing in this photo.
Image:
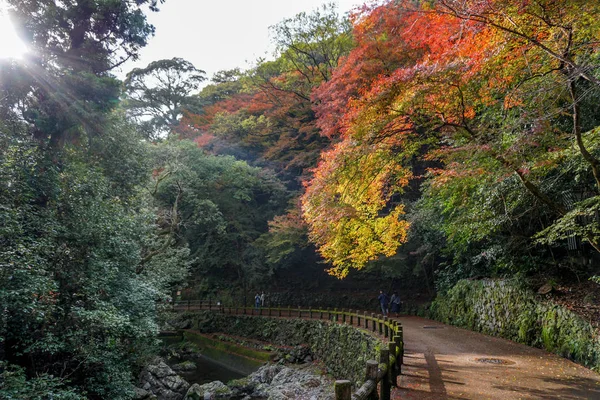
(384, 372)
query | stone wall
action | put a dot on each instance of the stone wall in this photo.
(343, 349)
(508, 309)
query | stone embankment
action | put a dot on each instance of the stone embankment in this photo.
(510, 310)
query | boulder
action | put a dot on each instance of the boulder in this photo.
(265, 374)
(163, 382)
(141, 394)
(545, 289)
(185, 366)
(180, 322)
(213, 390)
(277, 382)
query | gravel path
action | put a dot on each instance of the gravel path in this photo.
(444, 362)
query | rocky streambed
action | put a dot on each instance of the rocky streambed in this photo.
(271, 381)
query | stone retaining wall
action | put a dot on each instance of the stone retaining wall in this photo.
(508, 309)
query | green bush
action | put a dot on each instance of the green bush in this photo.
(15, 386)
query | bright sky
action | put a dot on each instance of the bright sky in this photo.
(220, 34)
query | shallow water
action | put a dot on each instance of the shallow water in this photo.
(214, 365)
(208, 370)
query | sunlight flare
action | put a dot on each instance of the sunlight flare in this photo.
(11, 44)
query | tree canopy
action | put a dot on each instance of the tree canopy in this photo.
(158, 95)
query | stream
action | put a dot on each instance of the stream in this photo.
(213, 365)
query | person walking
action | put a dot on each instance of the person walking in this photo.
(395, 302)
(383, 302)
(257, 301)
(262, 299)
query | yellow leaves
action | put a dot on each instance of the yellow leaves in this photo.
(346, 206)
(364, 240)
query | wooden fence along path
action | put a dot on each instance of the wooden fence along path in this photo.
(383, 372)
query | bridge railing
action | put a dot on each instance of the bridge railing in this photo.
(384, 372)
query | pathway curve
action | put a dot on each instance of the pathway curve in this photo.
(441, 362)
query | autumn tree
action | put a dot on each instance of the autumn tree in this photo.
(483, 98)
(309, 48)
(557, 41)
(271, 119)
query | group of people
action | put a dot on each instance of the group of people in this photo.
(389, 304)
(259, 300)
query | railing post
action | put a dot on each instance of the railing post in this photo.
(393, 366)
(385, 389)
(290, 311)
(373, 324)
(401, 334)
(299, 312)
(399, 360)
(342, 390)
(385, 326)
(335, 315)
(366, 321)
(351, 317)
(343, 316)
(358, 319)
(310, 313)
(279, 311)
(372, 367)
(320, 313)
(380, 325)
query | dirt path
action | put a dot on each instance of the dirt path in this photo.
(441, 362)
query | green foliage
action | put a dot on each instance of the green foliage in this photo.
(217, 206)
(66, 88)
(311, 46)
(72, 240)
(157, 96)
(15, 386)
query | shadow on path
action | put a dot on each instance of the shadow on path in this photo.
(436, 382)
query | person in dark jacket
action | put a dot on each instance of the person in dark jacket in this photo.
(395, 303)
(383, 302)
(257, 301)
